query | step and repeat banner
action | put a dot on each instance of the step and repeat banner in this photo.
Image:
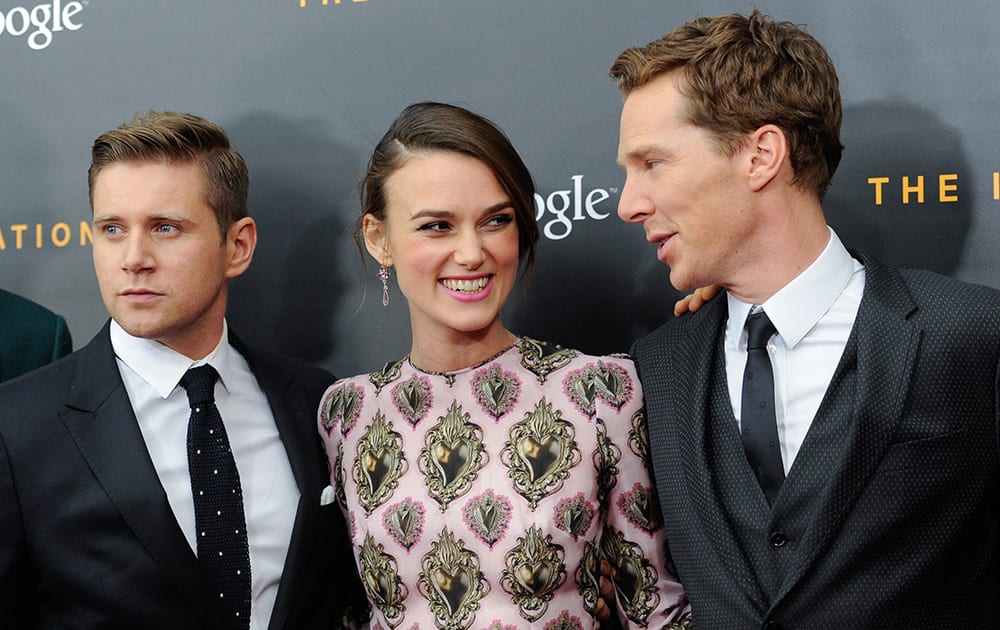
(306, 87)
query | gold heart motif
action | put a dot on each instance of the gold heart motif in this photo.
(378, 585)
(627, 581)
(486, 516)
(640, 508)
(402, 521)
(495, 390)
(574, 520)
(376, 466)
(609, 383)
(452, 459)
(584, 387)
(535, 579)
(410, 396)
(405, 523)
(343, 407)
(454, 587)
(541, 456)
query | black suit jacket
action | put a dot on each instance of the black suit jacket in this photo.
(904, 529)
(30, 336)
(87, 537)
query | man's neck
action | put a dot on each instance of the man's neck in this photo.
(785, 245)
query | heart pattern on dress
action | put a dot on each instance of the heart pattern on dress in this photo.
(342, 407)
(542, 455)
(641, 507)
(496, 391)
(404, 522)
(574, 515)
(413, 398)
(488, 517)
(452, 459)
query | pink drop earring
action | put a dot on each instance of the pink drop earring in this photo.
(383, 275)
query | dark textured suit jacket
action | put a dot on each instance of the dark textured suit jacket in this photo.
(890, 514)
(30, 336)
(87, 538)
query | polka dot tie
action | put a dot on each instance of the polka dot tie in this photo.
(759, 426)
(220, 525)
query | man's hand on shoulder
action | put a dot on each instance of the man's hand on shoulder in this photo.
(696, 299)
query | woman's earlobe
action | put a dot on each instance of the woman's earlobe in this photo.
(373, 231)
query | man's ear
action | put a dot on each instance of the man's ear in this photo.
(376, 241)
(768, 150)
(241, 241)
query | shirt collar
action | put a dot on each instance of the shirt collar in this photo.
(161, 367)
(800, 304)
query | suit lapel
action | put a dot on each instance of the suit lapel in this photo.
(99, 417)
(689, 358)
(297, 427)
(887, 341)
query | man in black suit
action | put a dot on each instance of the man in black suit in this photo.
(30, 336)
(99, 524)
(842, 472)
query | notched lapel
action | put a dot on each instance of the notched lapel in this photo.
(99, 417)
(296, 422)
(685, 364)
(887, 342)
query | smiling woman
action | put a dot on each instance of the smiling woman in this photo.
(485, 475)
(449, 231)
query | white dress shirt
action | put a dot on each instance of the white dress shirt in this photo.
(813, 314)
(151, 373)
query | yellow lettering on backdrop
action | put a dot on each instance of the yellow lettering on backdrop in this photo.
(302, 3)
(60, 235)
(86, 234)
(947, 182)
(18, 231)
(878, 182)
(918, 188)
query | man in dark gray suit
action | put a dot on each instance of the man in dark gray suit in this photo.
(30, 336)
(101, 526)
(843, 471)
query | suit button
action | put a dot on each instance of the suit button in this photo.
(777, 540)
(772, 625)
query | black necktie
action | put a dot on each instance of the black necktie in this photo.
(220, 525)
(760, 429)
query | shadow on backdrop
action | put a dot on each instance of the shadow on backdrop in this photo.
(598, 300)
(895, 140)
(298, 178)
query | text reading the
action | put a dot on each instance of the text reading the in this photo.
(913, 189)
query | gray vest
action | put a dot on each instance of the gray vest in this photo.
(770, 536)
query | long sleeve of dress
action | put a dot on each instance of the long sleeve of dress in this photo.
(633, 539)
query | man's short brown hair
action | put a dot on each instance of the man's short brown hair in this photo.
(740, 73)
(180, 139)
